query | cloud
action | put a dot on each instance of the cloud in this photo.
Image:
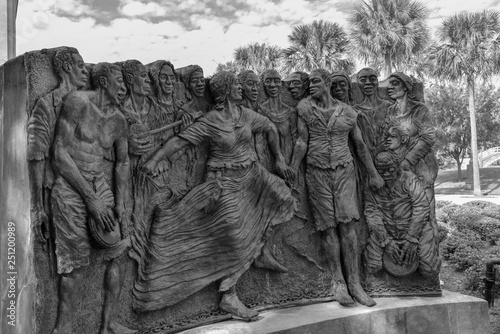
(137, 8)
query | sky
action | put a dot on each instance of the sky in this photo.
(203, 32)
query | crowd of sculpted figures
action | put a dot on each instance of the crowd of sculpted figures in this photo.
(372, 161)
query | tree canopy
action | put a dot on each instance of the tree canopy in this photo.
(320, 44)
(389, 32)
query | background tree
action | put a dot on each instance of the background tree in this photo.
(230, 66)
(390, 32)
(449, 105)
(320, 44)
(468, 49)
(258, 57)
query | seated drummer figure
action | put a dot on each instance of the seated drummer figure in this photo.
(398, 220)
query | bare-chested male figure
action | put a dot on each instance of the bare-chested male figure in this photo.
(324, 127)
(89, 125)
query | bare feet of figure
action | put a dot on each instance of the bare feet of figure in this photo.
(232, 304)
(267, 261)
(342, 295)
(116, 328)
(360, 295)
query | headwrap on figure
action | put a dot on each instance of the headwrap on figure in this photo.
(186, 78)
(349, 83)
(219, 86)
(407, 82)
(242, 76)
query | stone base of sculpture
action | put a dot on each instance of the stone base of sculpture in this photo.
(452, 313)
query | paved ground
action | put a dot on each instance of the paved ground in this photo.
(461, 199)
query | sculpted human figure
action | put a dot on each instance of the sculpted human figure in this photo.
(373, 110)
(298, 85)
(194, 81)
(216, 231)
(72, 74)
(324, 127)
(415, 117)
(342, 87)
(89, 125)
(398, 217)
(250, 84)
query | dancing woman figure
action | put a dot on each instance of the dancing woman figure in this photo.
(217, 230)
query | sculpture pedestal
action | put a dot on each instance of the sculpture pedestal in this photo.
(452, 313)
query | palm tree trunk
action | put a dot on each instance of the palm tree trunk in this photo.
(473, 141)
(388, 64)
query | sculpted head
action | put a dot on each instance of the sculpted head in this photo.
(69, 65)
(299, 84)
(397, 136)
(387, 165)
(400, 85)
(368, 81)
(341, 87)
(225, 87)
(271, 80)
(136, 77)
(108, 78)
(250, 84)
(319, 83)
(194, 80)
(163, 76)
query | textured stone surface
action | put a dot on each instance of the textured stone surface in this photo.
(452, 313)
(14, 199)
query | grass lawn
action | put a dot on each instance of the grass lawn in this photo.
(447, 183)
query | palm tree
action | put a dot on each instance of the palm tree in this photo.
(469, 49)
(389, 32)
(320, 44)
(258, 57)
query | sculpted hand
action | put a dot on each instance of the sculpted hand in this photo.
(409, 252)
(394, 251)
(187, 119)
(138, 146)
(284, 170)
(405, 165)
(376, 182)
(41, 224)
(102, 214)
(149, 167)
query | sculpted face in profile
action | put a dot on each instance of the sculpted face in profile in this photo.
(396, 90)
(368, 81)
(299, 82)
(167, 80)
(197, 83)
(272, 83)
(140, 81)
(77, 71)
(251, 87)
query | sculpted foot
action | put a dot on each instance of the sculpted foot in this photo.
(342, 295)
(267, 261)
(232, 304)
(116, 328)
(361, 296)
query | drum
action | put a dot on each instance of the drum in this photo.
(103, 238)
(399, 270)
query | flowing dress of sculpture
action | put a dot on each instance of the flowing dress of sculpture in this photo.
(216, 231)
(373, 110)
(324, 127)
(398, 216)
(415, 117)
(89, 125)
(298, 85)
(250, 84)
(72, 75)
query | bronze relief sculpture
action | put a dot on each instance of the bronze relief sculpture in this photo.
(154, 163)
